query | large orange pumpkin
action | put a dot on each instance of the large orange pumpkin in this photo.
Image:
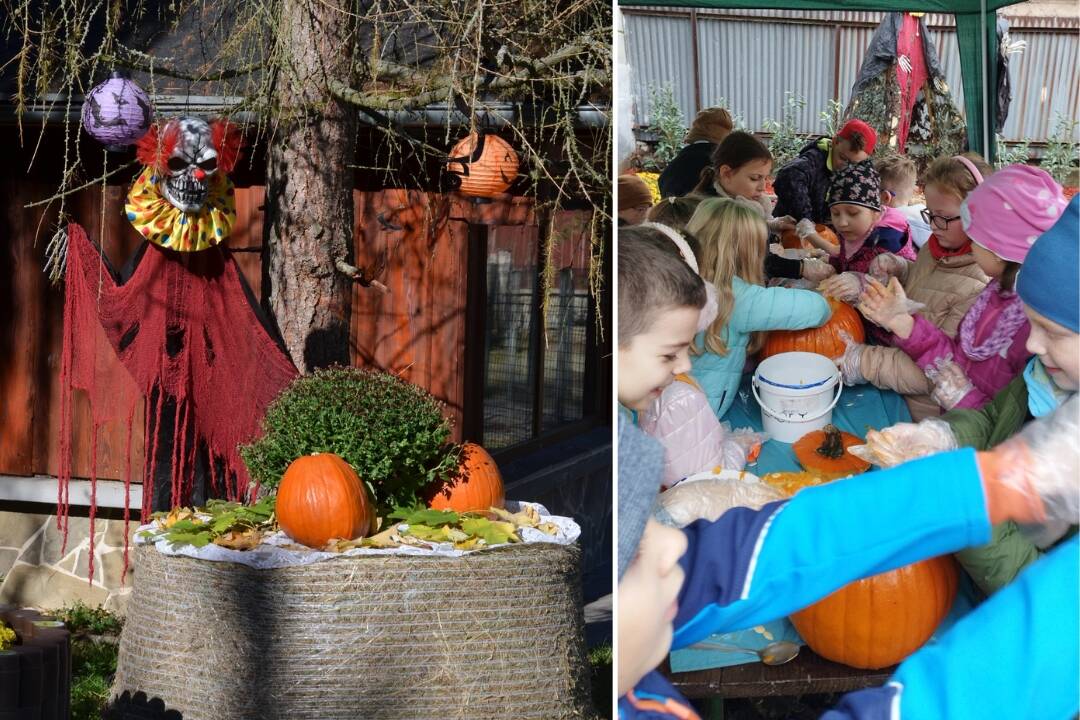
(486, 164)
(791, 240)
(878, 621)
(476, 486)
(824, 340)
(321, 498)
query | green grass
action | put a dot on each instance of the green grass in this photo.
(602, 667)
(93, 664)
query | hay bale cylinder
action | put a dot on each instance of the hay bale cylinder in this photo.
(492, 634)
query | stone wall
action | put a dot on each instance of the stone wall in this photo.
(38, 572)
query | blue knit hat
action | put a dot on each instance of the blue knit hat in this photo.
(641, 460)
(1049, 280)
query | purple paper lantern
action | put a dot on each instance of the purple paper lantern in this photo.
(116, 113)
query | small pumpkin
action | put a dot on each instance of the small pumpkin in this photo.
(476, 486)
(825, 452)
(321, 498)
(824, 340)
(877, 621)
(791, 240)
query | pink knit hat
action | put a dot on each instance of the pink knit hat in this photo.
(1009, 210)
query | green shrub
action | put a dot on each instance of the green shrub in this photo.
(392, 432)
(95, 620)
(669, 126)
(1011, 153)
(786, 140)
(1062, 152)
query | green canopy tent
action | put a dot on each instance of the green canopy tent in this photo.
(976, 33)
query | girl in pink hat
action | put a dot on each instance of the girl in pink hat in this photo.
(1003, 216)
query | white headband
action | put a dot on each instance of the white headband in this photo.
(680, 242)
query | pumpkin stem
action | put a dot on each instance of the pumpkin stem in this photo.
(833, 445)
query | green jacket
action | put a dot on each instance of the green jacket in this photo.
(997, 563)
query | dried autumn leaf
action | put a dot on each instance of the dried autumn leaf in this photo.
(548, 528)
(239, 540)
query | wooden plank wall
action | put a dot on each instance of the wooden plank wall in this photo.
(416, 330)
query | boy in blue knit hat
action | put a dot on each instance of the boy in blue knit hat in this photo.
(751, 566)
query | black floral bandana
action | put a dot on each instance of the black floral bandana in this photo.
(856, 184)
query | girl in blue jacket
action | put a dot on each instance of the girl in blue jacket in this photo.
(1016, 656)
(733, 246)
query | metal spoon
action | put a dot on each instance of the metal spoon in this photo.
(775, 653)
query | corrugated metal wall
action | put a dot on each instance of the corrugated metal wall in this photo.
(749, 58)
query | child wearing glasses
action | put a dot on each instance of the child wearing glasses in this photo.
(945, 278)
(1002, 216)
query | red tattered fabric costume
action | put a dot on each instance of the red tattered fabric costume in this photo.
(182, 327)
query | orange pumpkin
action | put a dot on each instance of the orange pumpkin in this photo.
(476, 486)
(321, 498)
(877, 621)
(825, 452)
(791, 240)
(486, 164)
(824, 340)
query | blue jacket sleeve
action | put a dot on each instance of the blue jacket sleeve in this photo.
(1013, 657)
(749, 567)
(891, 239)
(777, 308)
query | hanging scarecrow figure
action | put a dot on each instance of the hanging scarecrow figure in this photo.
(901, 90)
(182, 321)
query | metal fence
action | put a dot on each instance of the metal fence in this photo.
(513, 358)
(749, 58)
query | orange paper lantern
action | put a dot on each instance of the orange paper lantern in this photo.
(486, 164)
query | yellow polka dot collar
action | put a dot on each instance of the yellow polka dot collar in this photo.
(163, 224)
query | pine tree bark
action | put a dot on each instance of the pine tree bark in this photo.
(309, 194)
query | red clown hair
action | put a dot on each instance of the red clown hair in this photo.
(227, 139)
(154, 148)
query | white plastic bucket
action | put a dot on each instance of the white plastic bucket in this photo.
(796, 393)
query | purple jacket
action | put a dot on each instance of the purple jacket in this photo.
(928, 343)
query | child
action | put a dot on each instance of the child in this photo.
(944, 277)
(708, 130)
(898, 175)
(740, 167)
(1049, 287)
(675, 213)
(733, 239)
(752, 566)
(802, 184)
(635, 199)
(856, 211)
(658, 315)
(1000, 216)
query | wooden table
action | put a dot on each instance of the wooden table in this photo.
(807, 674)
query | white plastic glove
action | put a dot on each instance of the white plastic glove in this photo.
(951, 384)
(850, 363)
(888, 306)
(885, 266)
(1032, 476)
(805, 227)
(781, 224)
(905, 441)
(846, 287)
(817, 270)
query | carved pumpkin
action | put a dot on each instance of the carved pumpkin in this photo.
(824, 340)
(476, 486)
(486, 164)
(791, 240)
(321, 498)
(877, 621)
(825, 452)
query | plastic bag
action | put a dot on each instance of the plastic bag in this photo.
(709, 498)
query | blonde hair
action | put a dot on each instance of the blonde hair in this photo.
(953, 177)
(895, 169)
(733, 241)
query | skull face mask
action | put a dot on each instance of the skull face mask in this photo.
(183, 199)
(192, 163)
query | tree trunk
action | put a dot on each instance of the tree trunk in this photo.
(309, 193)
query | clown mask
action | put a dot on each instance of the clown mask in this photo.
(192, 163)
